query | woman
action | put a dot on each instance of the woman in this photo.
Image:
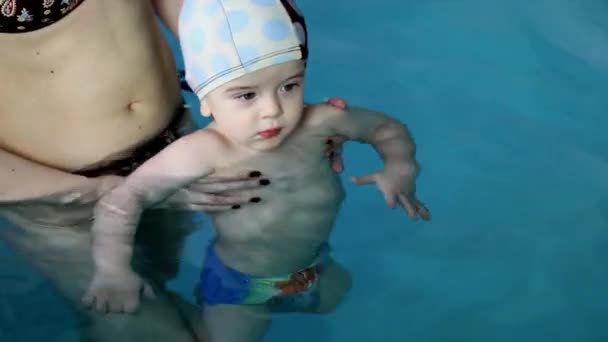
(73, 119)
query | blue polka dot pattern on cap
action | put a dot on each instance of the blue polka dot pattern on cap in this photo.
(247, 53)
(196, 40)
(213, 7)
(237, 20)
(196, 72)
(223, 31)
(264, 2)
(219, 63)
(222, 36)
(276, 29)
(189, 10)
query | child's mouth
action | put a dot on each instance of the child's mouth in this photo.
(270, 133)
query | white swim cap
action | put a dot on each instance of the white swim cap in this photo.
(222, 40)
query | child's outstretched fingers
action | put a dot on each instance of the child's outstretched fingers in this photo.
(362, 180)
(423, 211)
(408, 206)
(414, 208)
(389, 198)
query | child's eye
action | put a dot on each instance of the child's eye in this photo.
(246, 96)
(289, 87)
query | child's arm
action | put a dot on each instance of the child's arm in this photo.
(117, 215)
(393, 142)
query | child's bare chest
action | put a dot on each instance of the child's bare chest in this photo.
(300, 174)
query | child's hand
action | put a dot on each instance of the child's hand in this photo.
(116, 292)
(397, 182)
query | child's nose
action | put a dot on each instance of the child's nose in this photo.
(272, 108)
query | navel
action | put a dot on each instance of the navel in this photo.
(133, 106)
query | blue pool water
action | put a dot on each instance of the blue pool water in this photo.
(507, 100)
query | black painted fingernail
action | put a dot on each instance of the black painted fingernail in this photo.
(254, 174)
(332, 154)
(236, 206)
(329, 142)
(264, 181)
(255, 199)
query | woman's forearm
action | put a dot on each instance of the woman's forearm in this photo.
(25, 182)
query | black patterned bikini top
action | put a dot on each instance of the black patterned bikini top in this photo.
(18, 16)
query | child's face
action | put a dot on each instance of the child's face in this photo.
(261, 109)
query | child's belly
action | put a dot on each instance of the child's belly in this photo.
(282, 233)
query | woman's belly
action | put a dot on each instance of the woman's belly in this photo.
(71, 100)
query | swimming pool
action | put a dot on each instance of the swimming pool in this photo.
(507, 102)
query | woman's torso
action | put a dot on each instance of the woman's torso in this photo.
(90, 86)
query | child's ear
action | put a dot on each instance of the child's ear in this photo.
(205, 109)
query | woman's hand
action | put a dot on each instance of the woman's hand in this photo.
(214, 194)
(334, 144)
